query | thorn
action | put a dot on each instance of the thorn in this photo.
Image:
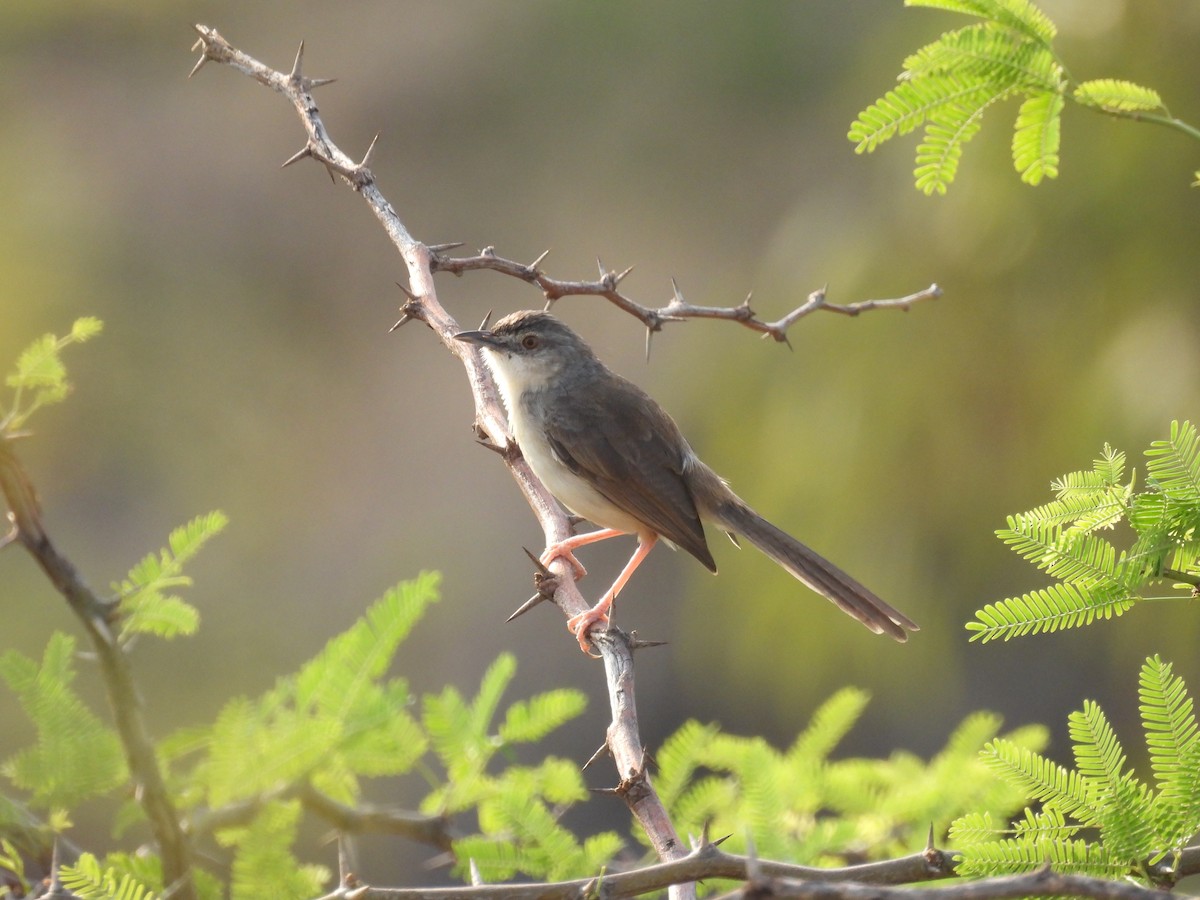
(719, 841)
(493, 446)
(526, 606)
(295, 74)
(200, 62)
(600, 751)
(603, 791)
(600, 266)
(537, 561)
(733, 539)
(636, 643)
(929, 846)
(537, 262)
(621, 277)
(313, 83)
(649, 333)
(441, 248)
(476, 877)
(407, 293)
(403, 320)
(746, 302)
(295, 158)
(483, 326)
(370, 149)
(678, 298)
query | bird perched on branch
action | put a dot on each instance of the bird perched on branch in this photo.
(611, 455)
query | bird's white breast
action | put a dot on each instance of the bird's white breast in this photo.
(514, 376)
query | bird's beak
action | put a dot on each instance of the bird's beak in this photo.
(479, 338)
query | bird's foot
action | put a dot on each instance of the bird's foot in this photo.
(581, 624)
(558, 551)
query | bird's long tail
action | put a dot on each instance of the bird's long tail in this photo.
(812, 569)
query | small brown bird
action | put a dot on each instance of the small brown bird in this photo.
(611, 455)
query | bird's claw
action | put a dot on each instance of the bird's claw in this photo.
(581, 624)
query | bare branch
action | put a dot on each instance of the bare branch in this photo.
(676, 309)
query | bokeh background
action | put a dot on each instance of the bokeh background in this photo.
(247, 364)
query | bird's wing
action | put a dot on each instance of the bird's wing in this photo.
(632, 453)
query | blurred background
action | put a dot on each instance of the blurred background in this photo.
(247, 365)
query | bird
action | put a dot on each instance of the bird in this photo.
(611, 455)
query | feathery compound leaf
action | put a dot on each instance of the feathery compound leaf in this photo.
(491, 688)
(1007, 857)
(1114, 95)
(76, 756)
(1099, 755)
(1174, 464)
(828, 725)
(263, 863)
(988, 56)
(1086, 559)
(1174, 743)
(906, 107)
(40, 369)
(145, 607)
(1019, 15)
(679, 757)
(950, 126)
(531, 720)
(974, 828)
(1036, 138)
(1049, 609)
(1042, 778)
(350, 665)
(88, 881)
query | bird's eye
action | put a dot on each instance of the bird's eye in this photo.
(530, 342)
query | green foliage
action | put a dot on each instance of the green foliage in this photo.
(516, 808)
(40, 377)
(333, 722)
(263, 864)
(1098, 818)
(338, 720)
(798, 804)
(145, 607)
(947, 85)
(1072, 539)
(75, 757)
(13, 865)
(90, 881)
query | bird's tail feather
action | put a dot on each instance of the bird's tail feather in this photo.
(813, 569)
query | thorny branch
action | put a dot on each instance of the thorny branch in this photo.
(622, 740)
(677, 308)
(764, 880)
(422, 304)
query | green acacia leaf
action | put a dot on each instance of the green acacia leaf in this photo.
(1036, 138)
(1114, 95)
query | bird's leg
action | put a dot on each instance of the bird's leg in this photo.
(581, 623)
(563, 549)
